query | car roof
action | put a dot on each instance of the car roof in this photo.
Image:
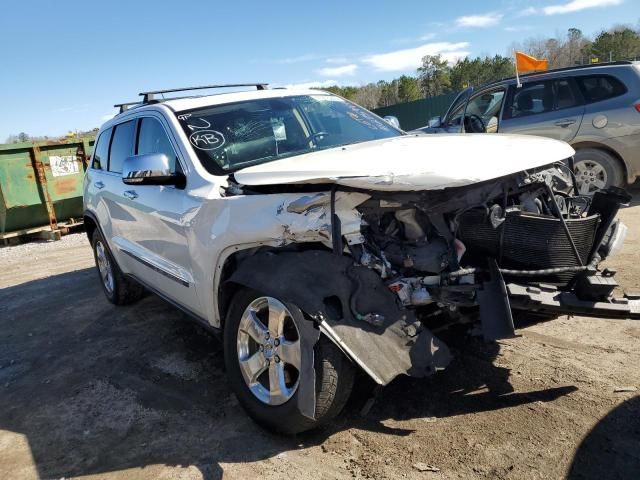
(558, 72)
(191, 102)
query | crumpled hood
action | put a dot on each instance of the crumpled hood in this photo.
(421, 162)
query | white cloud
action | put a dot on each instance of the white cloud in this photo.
(527, 12)
(307, 57)
(312, 84)
(337, 60)
(411, 58)
(577, 5)
(427, 36)
(479, 21)
(340, 71)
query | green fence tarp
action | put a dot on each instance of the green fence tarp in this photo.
(416, 114)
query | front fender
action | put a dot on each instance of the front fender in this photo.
(336, 295)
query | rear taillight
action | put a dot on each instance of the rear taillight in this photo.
(637, 107)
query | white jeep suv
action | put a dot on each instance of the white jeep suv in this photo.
(318, 239)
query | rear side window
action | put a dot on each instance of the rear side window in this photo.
(121, 145)
(531, 99)
(153, 139)
(542, 97)
(600, 87)
(101, 151)
(565, 94)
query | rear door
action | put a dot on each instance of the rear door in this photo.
(550, 108)
(153, 229)
(99, 183)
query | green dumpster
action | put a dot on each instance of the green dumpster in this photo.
(41, 185)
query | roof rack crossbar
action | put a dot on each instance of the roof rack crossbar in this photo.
(125, 106)
(149, 96)
(564, 69)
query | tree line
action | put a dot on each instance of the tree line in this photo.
(437, 76)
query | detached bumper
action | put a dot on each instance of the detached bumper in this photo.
(548, 299)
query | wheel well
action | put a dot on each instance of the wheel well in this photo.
(227, 290)
(609, 150)
(89, 226)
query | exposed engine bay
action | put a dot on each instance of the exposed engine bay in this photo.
(441, 253)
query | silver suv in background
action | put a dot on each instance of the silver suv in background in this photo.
(595, 108)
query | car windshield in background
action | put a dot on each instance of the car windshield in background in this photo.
(232, 136)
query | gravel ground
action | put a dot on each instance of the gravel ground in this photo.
(95, 391)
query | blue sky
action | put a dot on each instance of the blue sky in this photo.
(64, 64)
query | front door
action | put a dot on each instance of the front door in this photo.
(549, 108)
(153, 233)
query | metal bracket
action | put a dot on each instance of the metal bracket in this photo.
(41, 177)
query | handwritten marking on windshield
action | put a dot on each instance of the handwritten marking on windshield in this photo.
(207, 139)
(199, 127)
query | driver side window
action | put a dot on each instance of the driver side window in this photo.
(153, 139)
(483, 112)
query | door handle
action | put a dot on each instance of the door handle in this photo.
(565, 123)
(130, 194)
(99, 185)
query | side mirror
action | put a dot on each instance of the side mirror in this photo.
(393, 121)
(435, 122)
(151, 169)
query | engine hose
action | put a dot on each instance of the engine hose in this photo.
(522, 273)
(539, 273)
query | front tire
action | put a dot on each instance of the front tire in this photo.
(262, 355)
(595, 170)
(119, 289)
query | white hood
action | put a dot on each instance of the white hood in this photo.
(421, 162)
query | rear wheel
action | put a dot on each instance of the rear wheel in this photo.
(262, 355)
(595, 170)
(119, 289)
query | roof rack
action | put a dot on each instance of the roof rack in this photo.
(125, 106)
(149, 97)
(563, 69)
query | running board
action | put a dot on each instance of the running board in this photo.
(548, 299)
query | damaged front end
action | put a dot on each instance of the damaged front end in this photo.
(400, 265)
(521, 242)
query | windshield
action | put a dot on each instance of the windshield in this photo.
(236, 135)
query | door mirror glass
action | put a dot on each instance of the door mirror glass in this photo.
(435, 122)
(150, 169)
(393, 121)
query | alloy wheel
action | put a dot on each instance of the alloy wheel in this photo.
(590, 176)
(104, 266)
(268, 349)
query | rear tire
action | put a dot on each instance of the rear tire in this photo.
(596, 169)
(119, 289)
(334, 372)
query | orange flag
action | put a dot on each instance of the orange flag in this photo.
(527, 63)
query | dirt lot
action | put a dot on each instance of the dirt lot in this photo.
(91, 390)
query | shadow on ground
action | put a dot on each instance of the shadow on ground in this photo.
(96, 388)
(610, 449)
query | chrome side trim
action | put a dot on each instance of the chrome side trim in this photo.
(155, 268)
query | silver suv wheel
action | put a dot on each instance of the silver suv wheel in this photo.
(268, 349)
(104, 265)
(590, 176)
